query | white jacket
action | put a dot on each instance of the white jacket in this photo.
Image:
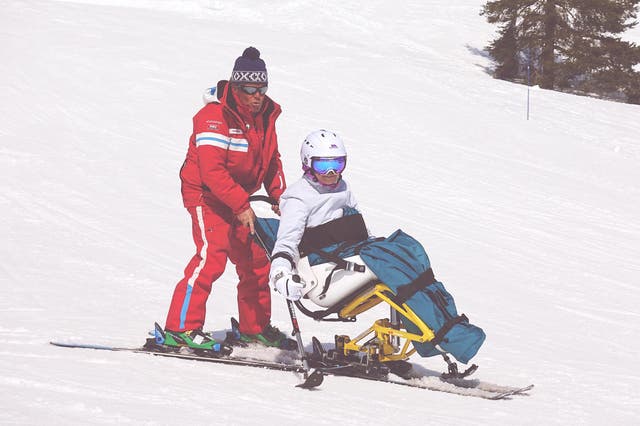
(307, 204)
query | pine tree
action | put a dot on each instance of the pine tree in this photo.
(571, 44)
(602, 62)
(505, 49)
(534, 27)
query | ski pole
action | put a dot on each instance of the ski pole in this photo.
(296, 332)
(316, 377)
(292, 314)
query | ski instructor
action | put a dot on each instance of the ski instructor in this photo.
(233, 151)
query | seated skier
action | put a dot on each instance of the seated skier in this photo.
(319, 197)
(319, 211)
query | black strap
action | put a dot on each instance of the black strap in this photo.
(423, 280)
(446, 327)
(346, 228)
(340, 264)
(358, 248)
(284, 256)
(332, 256)
(441, 302)
(327, 282)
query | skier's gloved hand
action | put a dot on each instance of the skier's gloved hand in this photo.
(287, 284)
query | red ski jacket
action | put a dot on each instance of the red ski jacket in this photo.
(231, 155)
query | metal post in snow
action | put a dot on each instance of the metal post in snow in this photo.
(528, 85)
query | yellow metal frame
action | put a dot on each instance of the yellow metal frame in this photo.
(382, 330)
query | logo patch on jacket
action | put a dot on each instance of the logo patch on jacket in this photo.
(235, 131)
(213, 124)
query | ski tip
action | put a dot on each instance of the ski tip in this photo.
(159, 334)
(83, 346)
(235, 325)
(314, 380)
(514, 392)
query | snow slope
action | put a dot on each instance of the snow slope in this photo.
(532, 225)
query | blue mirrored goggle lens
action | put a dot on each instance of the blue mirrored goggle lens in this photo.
(326, 165)
(251, 90)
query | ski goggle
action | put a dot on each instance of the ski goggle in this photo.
(251, 90)
(324, 166)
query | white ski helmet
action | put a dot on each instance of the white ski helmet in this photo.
(321, 144)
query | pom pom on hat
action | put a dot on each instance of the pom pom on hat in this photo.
(249, 68)
(251, 53)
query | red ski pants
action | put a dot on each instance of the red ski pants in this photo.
(216, 241)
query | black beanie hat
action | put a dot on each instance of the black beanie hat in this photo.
(249, 68)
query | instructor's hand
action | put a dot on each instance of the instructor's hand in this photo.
(247, 218)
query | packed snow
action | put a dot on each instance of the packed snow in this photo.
(531, 224)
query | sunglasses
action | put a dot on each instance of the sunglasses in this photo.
(324, 166)
(251, 90)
